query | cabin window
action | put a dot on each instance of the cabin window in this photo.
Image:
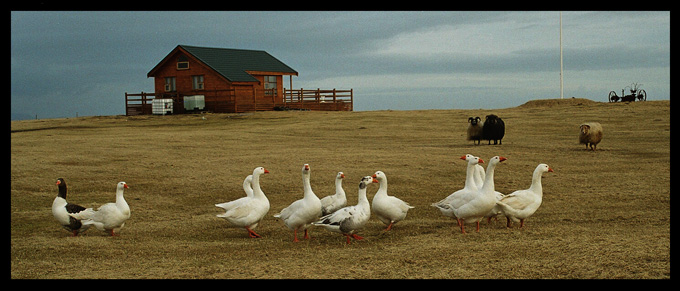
(182, 63)
(197, 82)
(269, 85)
(170, 84)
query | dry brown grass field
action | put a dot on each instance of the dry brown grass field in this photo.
(605, 213)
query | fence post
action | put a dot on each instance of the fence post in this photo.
(351, 98)
(144, 104)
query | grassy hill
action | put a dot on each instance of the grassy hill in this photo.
(605, 214)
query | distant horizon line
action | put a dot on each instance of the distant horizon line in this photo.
(27, 117)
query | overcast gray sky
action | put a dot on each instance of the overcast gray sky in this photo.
(67, 63)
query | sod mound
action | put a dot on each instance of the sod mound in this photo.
(557, 102)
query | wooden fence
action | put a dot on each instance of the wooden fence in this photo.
(138, 104)
(319, 100)
(226, 101)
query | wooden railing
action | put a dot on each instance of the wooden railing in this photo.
(229, 101)
(317, 99)
(215, 100)
(138, 104)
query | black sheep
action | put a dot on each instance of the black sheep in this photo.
(494, 129)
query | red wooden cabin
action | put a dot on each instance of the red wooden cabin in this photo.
(230, 80)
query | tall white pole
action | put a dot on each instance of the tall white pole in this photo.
(561, 63)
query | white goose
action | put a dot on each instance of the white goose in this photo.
(61, 210)
(388, 209)
(477, 204)
(248, 184)
(350, 219)
(331, 203)
(479, 173)
(110, 217)
(495, 211)
(445, 205)
(248, 211)
(247, 187)
(519, 205)
(300, 214)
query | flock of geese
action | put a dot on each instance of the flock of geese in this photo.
(109, 217)
(330, 212)
(477, 200)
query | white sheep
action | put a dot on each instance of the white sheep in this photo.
(474, 131)
(591, 134)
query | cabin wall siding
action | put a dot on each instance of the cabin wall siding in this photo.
(183, 77)
(223, 95)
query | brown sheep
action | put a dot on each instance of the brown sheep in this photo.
(590, 135)
(474, 131)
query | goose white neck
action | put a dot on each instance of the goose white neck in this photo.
(488, 179)
(382, 190)
(119, 192)
(338, 186)
(120, 200)
(307, 185)
(363, 200)
(536, 186)
(255, 183)
(248, 183)
(362, 196)
(470, 178)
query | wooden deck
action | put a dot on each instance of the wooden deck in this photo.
(227, 101)
(319, 100)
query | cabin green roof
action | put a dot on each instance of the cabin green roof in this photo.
(232, 64)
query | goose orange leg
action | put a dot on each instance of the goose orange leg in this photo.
(252, 234)
(356, 237)
(389, 226)
(295, 235)
(348, 240)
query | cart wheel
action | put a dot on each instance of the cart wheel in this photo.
(613, 97)
(642, 95)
